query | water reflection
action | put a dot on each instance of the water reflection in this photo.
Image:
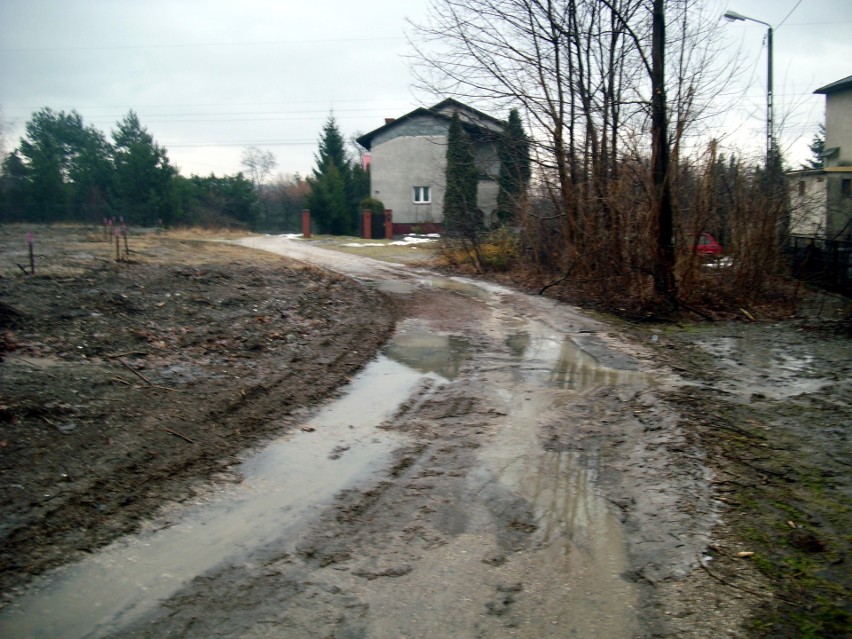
(546, 359)
(764, 367)
(443, 355)
(457, 285)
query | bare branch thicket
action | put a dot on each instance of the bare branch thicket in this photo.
(582, 72)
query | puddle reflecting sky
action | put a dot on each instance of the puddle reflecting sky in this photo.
(557, 361)
(443, 355)
(772, 369)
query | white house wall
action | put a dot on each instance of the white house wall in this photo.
(807, 204)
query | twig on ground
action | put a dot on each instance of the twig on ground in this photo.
(117, 355)
(177, 434)
(135, 372)
(756, 593)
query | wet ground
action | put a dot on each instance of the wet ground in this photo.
(506, 467)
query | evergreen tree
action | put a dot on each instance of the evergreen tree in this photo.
(461, 219)
(514, 178)
(144, 178)
(331, 198)
(91, 175)
(359, 186)
(61, 170)
(817, 147)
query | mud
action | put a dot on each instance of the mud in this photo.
(506, 467)
(123, 383)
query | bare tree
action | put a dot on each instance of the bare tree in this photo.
(258, 164)
(591, 79)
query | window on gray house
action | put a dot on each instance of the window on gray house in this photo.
(801, 187)
(422, 195)
(846, 187)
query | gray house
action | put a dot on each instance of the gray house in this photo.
(408, 162)
(821, 199)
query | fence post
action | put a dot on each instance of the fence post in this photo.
(388, 224)
(367, 223)
(306, 223)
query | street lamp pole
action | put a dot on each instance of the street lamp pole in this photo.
(732, 16)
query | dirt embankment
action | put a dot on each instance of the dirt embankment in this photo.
(124, 382)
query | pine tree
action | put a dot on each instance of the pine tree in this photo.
(144, 178)
(332, 201)
(514, 178)
(461, 219)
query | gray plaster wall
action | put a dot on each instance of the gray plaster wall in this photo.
(401, 163)
(417, 126)
(413, 153)
(838, 126)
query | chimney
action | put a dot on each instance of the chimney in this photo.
(390, 120)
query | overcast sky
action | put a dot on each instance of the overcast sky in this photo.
(210, 77)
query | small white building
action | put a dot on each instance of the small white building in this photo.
(821, 199)
(408, 163)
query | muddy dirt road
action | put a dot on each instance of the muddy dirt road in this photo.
(505, 467)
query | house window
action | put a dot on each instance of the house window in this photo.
(846, 187)
(801, 187)
(422, 195)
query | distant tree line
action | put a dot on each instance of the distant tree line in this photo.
(66, 171)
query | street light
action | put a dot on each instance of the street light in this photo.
(733, 16)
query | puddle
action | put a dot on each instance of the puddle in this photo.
(400, 287)
(548, 359)
(427, 352)
(283, 485)
(764, 368)
(457, 285)
(582, 548)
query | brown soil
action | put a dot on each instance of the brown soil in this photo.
(125, 382)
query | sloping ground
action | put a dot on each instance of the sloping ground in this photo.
(122, 383)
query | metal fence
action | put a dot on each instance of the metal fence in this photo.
(826, 263)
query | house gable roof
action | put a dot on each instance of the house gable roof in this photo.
(476, 122)
(834, 87)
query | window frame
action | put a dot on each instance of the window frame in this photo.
(421, 194)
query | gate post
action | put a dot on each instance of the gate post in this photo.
(388, 224)
(367, 222)
(306, 223)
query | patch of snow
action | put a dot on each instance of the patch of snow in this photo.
(408, 240)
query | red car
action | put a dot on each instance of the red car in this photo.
(707, 245)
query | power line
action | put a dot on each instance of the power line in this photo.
(123, 47)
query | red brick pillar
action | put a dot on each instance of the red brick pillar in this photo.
(368, 225)
(306, 223)
(388, 224)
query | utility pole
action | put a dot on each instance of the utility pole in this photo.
(664, 282)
